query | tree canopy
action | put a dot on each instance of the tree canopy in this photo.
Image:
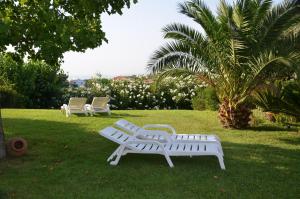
(45, 29)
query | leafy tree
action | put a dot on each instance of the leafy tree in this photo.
(45, 29)
(244, 46)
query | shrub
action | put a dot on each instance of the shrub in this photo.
(198, 103)
(8, 95)
(37, 84)
(140, 92)
(284, 119)
(206, 98)
(211, 99)
(257, 118)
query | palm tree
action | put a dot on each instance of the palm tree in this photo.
(238, 50)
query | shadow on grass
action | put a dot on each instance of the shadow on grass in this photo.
(113, 115)
(59, 134)
(116, 115)
(271, 128)
(69, 152)
(3, 194)
(294, 141)
(236, 157)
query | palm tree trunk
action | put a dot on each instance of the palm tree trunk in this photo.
(2, 141)
(237, 118)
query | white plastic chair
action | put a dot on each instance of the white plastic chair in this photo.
(132, 144)
(99, 105)
(76, 105)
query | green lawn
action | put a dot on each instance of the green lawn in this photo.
(67, 159)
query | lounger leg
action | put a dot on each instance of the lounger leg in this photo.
(108, 110)
(169, 160)
(221, 150)
(119, 154)
(68, 114)
(111, 157)
(221, 162)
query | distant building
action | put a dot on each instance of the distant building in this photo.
(147, 79)
(78, 82)
(122, 78)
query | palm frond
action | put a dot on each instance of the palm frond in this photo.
(184, 72)
(263, 6)
(173, 54)
(285, 100)
(201, 14)
(182, 32)
(281, 18)
(268, 66)
(224, 12)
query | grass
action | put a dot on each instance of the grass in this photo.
(67, 159)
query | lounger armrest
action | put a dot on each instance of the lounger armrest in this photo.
(64, 107)
(160, 126)
(88, 106)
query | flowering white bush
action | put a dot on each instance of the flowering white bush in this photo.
(138, 93)
(180, 90)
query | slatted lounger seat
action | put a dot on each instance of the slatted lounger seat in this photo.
(164, 136)
(131, 144)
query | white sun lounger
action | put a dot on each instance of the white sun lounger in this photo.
(76, 105)
(164, 136)
(131, 144)
(99, 105)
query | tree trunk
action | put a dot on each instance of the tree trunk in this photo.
(236, 118)
(2, 141)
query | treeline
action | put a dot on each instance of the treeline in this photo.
(33, 84)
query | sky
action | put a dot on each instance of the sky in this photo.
(132, 38)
